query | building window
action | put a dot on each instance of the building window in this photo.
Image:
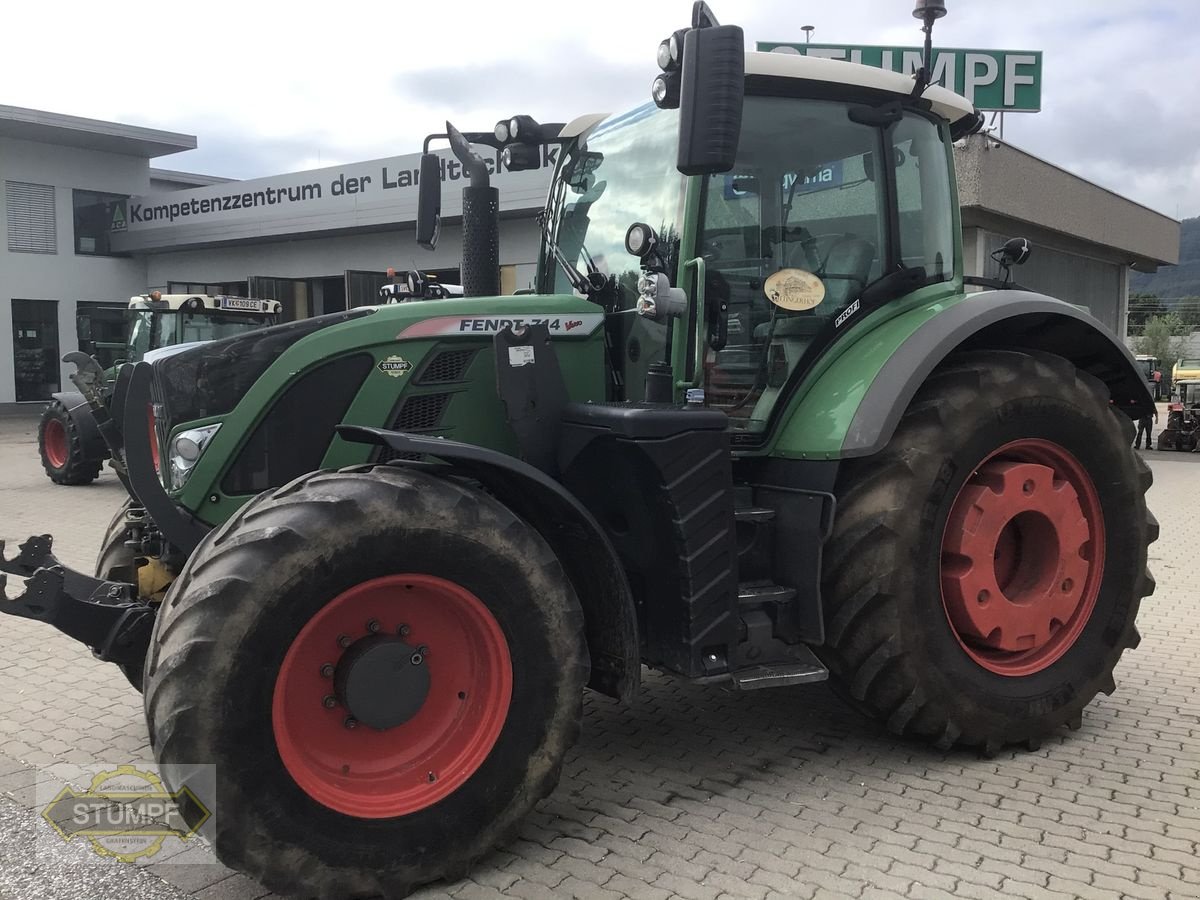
(31, 221)
(97, 217)
(228, 288)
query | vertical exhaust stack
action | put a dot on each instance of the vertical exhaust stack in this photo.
(480, 224)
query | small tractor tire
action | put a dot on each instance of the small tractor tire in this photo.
(115, 562)
(61, 448)
(261, 665)
(1009, 471)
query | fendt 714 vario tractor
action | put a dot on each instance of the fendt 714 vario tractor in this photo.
(384, 551)
(69, 440)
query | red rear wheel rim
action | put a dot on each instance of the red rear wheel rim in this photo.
(1022, 557)
(54, 443)
(374, 774)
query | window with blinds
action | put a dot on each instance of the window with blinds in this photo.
(31, 220)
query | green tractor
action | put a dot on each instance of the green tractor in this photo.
(70, 444)
(751, 430)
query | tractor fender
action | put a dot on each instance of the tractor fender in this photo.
(581, 545)
(994, 320)
(85, 424)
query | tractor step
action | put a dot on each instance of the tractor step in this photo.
(758, 595)
(806, 669)
(754, 514)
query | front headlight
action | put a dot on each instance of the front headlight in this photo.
(186, 449)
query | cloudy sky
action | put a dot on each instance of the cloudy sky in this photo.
(272, 88)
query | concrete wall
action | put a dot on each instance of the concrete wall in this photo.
(1100, 285)
(62, 277)
(1003, 180)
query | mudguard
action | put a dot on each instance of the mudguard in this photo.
(576, 537)
(871, 401)
(85, 425)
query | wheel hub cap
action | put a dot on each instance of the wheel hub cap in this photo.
(1022, 557)
(382, 681)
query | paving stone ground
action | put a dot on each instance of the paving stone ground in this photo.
(695, 792)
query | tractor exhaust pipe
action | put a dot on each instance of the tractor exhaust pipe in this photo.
(481, 215)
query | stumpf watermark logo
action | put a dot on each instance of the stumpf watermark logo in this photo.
(125, 813)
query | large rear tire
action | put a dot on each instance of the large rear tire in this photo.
(987, 566)
(61, 448)
(336, 776)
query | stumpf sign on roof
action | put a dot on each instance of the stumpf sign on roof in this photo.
(994, 80)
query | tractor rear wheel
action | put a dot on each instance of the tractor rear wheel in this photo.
(386, 669)
(61, 448)
(987, 566)
(115, 562)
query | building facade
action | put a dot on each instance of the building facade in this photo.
(88, 221)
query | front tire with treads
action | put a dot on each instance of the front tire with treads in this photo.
(61, 447)
(386, 670)
(986, 567)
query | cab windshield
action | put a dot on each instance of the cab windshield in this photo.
(801, 227)
(624, 172)
(153, 329)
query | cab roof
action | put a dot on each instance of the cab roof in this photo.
(221, 302)
(950, 106)
(945, 103)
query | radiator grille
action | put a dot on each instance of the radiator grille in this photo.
(447, 367)
(421, 412)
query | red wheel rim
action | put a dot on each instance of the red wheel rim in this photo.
(54, 443)
(1022, 557)
(370, 773)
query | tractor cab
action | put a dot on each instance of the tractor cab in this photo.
(791, 246)
(160, 320)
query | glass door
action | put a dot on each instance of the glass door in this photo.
(35, 349)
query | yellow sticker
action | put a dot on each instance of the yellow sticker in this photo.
(794, 289)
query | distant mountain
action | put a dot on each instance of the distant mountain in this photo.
(1182, 280)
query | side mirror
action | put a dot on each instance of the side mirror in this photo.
(1014, 252)
(710, 99)
(429, 201)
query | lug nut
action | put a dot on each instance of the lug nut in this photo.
(423, 650)
(344, 641)
(351, 722)
(330, 702)
(431, 777)
(327, 670)
(416, 659)
(403, 630)
(373, 627)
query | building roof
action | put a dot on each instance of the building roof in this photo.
(90, 134)
(186, 179)
(1003, 180)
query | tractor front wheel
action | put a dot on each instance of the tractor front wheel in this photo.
(986, 567)
(62, 450)
(385, 669)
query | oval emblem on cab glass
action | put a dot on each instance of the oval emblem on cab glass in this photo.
(794, 289)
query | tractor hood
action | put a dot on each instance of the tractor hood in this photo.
(211, 379)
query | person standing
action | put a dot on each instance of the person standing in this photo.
(1145, 426)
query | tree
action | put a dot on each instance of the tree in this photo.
(1142, 307)
(1162, 338)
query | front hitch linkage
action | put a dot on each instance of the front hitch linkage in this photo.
(105, 615)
